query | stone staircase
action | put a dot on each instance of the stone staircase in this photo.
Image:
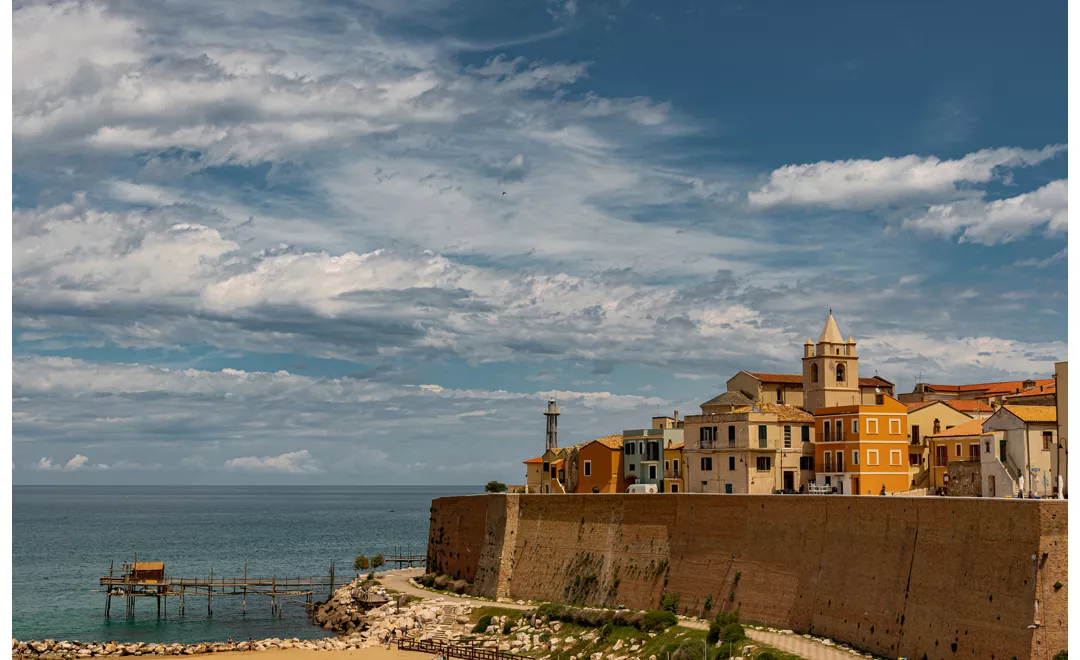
(438, 631)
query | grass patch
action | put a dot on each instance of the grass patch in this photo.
(490, 611)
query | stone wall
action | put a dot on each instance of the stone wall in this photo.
(913, 577)
(965, 479)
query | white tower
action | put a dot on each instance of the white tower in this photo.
(552, 415)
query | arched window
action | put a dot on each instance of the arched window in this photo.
(813, 373)
(839, 373)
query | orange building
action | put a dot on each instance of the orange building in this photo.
(959, 443)
(600, 466)
(861, 448)
(534, 474)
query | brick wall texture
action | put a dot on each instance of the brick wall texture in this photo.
(934, 578)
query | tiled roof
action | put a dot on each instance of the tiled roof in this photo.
(912, 407)
(729, 399)
(678, 446)
(777, 378)
(970, 427)
(1002, 387)
(786, 413)
(531, 461)
(876, 381)
(1038, 390)
(611, 441)
(1034, 413)
(969, 405)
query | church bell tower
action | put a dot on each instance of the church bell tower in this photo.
(830, 370)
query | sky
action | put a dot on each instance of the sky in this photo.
(363, 241)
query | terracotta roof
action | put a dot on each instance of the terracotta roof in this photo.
(1038, 390)
(1034, 413)
(538, 459)
(1002, 387)
(729, 399)
(912, 407)
(777, 378)
(678, 446)
(786, 413)
(968, 428)
(969, 405)
(876, 381)
(611, 441)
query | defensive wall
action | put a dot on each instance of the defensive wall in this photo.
(921, 577)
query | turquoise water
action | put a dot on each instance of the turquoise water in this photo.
(64, 537)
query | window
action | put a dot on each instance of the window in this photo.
(731, 463)
(630, 447)
(959, 449)
(828, 461)
(813, 373)
(676, 464)
(871, 426)
(855, 457)
(704, 486)
(787, 437)
(762, 436)
(974, 451)
(552, 471)
(855, 426)
(780, 396)
(706, 464)
(1048, 440)
(806, 434)
(547, 466)
(839, 430)
(894, 457)
(641, 447)
(588, 468)
(894, 427)
(913, 460)
(652, 472)
(987, 446)
(674, 488)
(915, 434)
(826, 434)
(764, 463)
(840, 461)
(879, 399)
(942, 455)
(667, 465)
(839, 373)
(633, 467)
(806, 462)
(871, 457)
(731, 435)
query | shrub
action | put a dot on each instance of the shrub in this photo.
(1058, 585)
(495, 487)
(360, 563)
(427, 580)
(719, 623)
(605, 632)
(482, 625)
(507, 627)
(767, 654)
(732, 633)
(708, 603)
(738, 575)
(657, 620)
(687, 650)
(371, 576)
(669, 602)
(1061, 655)
(633, 619)
(378, 560)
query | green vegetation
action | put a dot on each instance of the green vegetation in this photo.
(378, 560)
(669, 602)
(719, 623)
(1057, 586)
(738, 576)
(708, 603)
(507, 626)
(1061, 655)
(482, 625)
(495, 487)
(650, 621)
(492, 611)
(361, 563)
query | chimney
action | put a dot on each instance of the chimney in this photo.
(676, 416)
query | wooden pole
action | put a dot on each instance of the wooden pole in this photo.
(210, 595)
(245, 587)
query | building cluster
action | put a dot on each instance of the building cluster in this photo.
(827, 430)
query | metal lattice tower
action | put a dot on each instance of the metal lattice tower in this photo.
(552, 415)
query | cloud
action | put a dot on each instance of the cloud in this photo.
(861, 184)
(77, 462)
(999, 221)
(1061, 255)
(294, 462)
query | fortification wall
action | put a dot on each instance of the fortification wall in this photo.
(940, 577)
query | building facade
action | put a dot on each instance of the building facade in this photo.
(927, 418)
(1061, 404)
(989, 393)
(534, 475)
(757, 449)
(1022, 444)
(863, 448)
(961, 443)
(643, 451)
(674, 468)
(599, 466)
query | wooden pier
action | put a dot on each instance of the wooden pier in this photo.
(148, 580)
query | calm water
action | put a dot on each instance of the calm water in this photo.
(64, 537)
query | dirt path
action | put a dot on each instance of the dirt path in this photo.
(805, 648)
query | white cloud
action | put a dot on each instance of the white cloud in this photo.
(77, 462)
(999, 221)
(294, 462)
(859, 184)
(1060, 255)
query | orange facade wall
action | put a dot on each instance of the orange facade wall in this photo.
(606, 469)
(914, 577)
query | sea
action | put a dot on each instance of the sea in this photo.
(64, 538)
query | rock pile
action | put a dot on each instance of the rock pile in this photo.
(54, 650)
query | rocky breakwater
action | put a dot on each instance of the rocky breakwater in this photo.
(61, 650)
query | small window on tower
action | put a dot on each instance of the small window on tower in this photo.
(813, 373)
(839, 373)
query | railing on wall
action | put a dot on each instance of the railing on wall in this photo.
(449, 651)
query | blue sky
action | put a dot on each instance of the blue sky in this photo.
(361, 242)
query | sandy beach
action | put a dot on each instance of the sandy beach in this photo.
(376, 653)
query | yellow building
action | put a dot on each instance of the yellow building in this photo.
(534, 474)
(926, 418)
(674, 468)
(1060, 464)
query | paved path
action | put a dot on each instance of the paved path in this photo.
(804, 648)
